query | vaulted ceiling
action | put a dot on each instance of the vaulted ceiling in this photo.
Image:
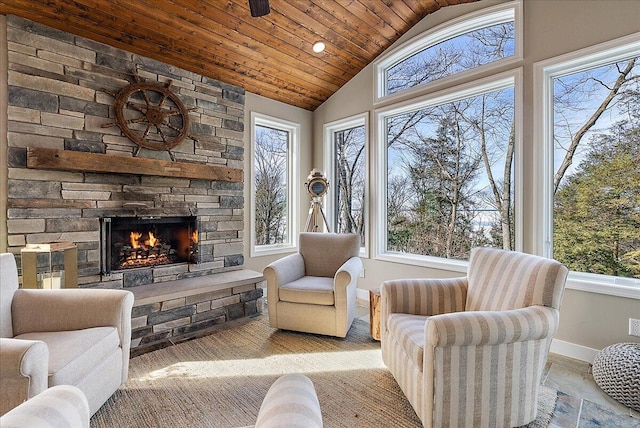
(270, 55)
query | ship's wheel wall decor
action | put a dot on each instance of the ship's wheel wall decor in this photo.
(151, 115)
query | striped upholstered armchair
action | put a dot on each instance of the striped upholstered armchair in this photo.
(470, 352)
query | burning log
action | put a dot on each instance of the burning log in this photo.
(145, 250)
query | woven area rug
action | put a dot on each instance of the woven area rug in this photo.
(220, 380)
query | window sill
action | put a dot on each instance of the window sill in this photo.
(610, 286)
(459, 266)
(268, 250)
(576, 282)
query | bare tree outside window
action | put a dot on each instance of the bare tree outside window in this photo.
(455, 55)
(270, 180)
(350, 180)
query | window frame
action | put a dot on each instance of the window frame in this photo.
(499, 81)
(544, 73)
(329, 130)
(498, 14)
(293, 179)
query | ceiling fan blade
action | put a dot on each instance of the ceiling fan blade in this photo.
(259, 7)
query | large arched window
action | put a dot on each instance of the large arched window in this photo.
(448, 154)
(460, 47)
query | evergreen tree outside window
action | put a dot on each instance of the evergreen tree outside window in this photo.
(593, 166)
(450, 175)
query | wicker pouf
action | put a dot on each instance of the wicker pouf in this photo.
(616, 369)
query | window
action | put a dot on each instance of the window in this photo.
(346, 168)
(591, 118)
(459, 46)
(273, 186)
(450, 165)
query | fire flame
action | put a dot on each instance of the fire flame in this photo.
(152, 239)
(194, 237)
(134, 236)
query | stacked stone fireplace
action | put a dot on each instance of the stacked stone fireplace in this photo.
(59, 99)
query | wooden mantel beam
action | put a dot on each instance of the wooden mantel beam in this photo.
(67, 160)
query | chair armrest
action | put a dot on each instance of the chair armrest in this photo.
(61, 405)
(283, 271)
(291, 401)
(23, 372)
(475, 328)
(286, 269)
(347, 273)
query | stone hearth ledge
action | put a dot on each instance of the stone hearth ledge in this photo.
(169, 290)
(167, 313)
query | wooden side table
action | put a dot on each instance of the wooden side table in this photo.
(374, 313)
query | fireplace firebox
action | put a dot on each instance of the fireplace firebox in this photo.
(143, 242)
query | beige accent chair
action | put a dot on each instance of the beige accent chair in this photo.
(314, 290)
(61, 406)
(78, 337)
(470, 352)
(290, 402)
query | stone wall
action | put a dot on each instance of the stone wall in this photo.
(55, 100)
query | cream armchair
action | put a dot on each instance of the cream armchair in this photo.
(470, 352)
(78, 337)
(61, 406)
(314, 290)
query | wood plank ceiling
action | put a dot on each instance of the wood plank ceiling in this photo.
(270, 56)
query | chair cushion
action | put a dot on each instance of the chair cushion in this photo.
(73, 354)
(408, 331)
(314, 290)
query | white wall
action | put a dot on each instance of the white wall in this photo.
(551, 28)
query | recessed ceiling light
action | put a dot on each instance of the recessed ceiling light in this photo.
(318, 47)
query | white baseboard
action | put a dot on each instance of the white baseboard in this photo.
(573, 350)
